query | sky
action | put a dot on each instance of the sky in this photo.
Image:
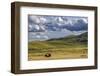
(44, 27)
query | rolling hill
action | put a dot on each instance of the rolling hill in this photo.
(60, 48)
(73, 38)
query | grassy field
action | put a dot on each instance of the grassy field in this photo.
(64, 48)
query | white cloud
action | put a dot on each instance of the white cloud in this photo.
(60, 19)
(42, 27)
(42, 33)
(71, 21)
(30, 27)
(85, 20)
(35, 19)
(57, 26)
(38, 36)
(43, 20)
(33, 34)
(36, 27)
(46, 37)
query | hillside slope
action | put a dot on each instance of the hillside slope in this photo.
(61, 48)
(79, 38)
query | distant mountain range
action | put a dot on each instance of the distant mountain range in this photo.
(73, 38)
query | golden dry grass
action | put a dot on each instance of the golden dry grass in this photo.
(38, 50)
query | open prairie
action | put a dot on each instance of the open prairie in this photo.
(72, 47)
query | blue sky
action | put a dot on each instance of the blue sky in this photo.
(43, 27)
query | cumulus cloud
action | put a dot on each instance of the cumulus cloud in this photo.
(57, 23)
(77, 26)
(46, 27)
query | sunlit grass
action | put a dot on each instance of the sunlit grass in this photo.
(57, 49)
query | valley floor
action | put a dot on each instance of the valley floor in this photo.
(57, 50)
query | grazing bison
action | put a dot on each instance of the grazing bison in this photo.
(47, 55)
